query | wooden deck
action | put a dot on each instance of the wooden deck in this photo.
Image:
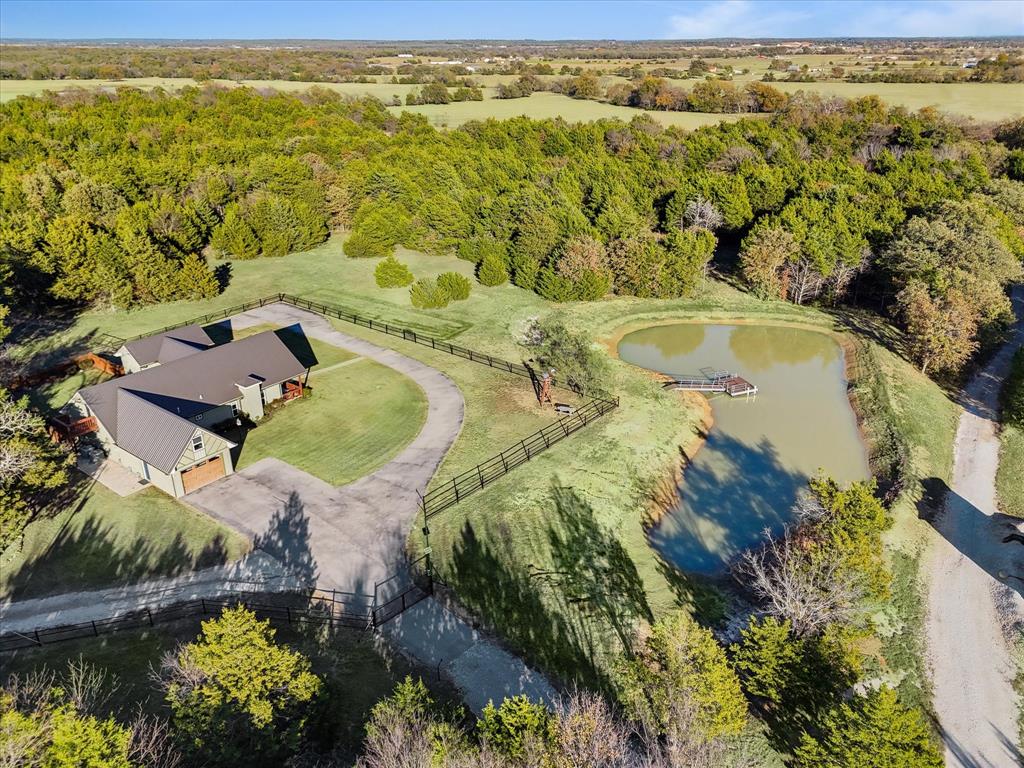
(715, 381)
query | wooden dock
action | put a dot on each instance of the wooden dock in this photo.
(714, 381)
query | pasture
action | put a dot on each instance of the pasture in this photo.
(981, 101)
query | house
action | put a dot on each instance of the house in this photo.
(162, 348)
(159, 419)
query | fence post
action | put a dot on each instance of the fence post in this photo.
(480, 475)
(288, 608)
(95, 632)
(150, 615)
(38, 641)
(203, 601)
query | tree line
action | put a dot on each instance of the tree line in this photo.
(120, 200)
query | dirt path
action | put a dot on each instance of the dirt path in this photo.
(970, 660)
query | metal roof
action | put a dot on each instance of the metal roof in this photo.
(169, 345)
(156, 436)
(148, 408)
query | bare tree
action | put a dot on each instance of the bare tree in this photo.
(87, 687)
(589, 735)
(683, 744)
(397, 741)
(701, 213)
(152, 743)
(801, 583)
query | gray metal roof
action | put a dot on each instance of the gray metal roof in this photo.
(147, 408)
(156, 436)
(169, 345)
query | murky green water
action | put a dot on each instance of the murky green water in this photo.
(762, 449)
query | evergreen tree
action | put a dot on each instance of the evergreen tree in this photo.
(491, 272)
(427, 294)
(196, 280)
(455, 285)
(236, 695)
(870, 731)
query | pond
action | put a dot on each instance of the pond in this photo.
(762, 449)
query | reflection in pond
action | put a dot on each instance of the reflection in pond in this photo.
(762, 450)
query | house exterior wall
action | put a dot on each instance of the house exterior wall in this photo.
(251, 404)
(272, 393)
(213, 445)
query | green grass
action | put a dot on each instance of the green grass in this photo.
(1009, 483)
(101, 540)
(53, 395)
(354, 420)
(1009, 487)
(543, 105)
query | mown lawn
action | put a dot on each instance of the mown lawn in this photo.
(102, 540)
(1009, 483)
(355, 418)
(53, 395)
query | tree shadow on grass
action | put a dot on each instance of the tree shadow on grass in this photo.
(499, 590)
(592, 569)
(89, 556)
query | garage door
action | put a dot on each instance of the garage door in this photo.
(202, 474)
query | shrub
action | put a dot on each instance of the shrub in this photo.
(455, 285)
(427, 294)
(361, 246)
(391, 273)
(491, 272)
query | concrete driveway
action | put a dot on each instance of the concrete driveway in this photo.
(353, 538)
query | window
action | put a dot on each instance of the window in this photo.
(197, 445)
(234, 410)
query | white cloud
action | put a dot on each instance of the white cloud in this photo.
(735, 18)
(936, 18)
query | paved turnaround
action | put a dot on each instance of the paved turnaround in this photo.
(971, 664)
(353, 537)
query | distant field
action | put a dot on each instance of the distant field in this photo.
(982, 101)
(545, 105)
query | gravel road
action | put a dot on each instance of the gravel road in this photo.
(971, 664)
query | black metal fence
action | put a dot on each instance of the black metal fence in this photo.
(482, 475)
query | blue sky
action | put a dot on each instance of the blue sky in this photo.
(410, 20)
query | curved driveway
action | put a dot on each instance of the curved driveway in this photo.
(345, 538)
(353, 537)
